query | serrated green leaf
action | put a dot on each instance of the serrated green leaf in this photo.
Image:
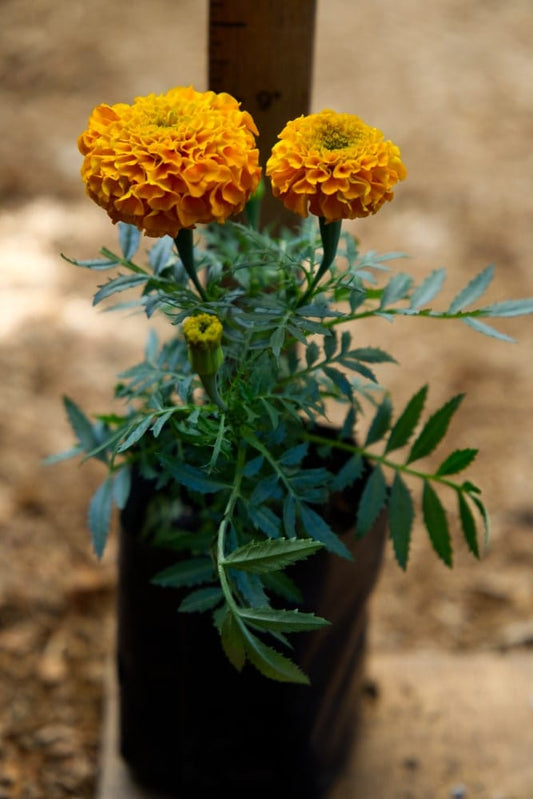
(188, 572)
(272, 413)
(289, 516)
(122, 486)
(264, 519)
(457, 461)
(434, 430)
(401, 516)
(371, 355)
(468, 524)
(348, 474)
(348, 424)
(252, 467)
(311, 353)
(472, 291)
(480, 327)
(436, 523)
(294, 455)
(281, 584)
(159, 255)
(380, 423)
(129, 238)
(286, 621)
(277, 340)
(266, 489)
(161, 421)
(428, 289)
(192, 478)
(346, 340)
(357, 366)
(404, 426)
(99, 516)
(330, 345)
(315, 526)
(339, 380)
(58, 457)
(118, 284)
(470, 487)
(484, 515)
(81, 426)
(372, 501)
(271, 663)
(251, 588)
(98, 264)
(265, 556)
(233, 641)
(136, 433)
(396, 289)
(509, 308)
(201, 600)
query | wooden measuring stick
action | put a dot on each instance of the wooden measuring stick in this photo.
(261, 52)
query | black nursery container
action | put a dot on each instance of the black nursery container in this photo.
(190, 725)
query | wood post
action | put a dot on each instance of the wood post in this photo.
(261, 52)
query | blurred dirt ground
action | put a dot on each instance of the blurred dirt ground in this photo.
(452, 83)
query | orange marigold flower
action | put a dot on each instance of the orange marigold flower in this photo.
(171, 161)
(333, 165)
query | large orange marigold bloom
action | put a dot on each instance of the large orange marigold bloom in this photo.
(334, 166)
(171, 161)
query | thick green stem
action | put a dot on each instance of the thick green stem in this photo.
(221, 545)
(330, 233)
(252, 209)
(184, 244)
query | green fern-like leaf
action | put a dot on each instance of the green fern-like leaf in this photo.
(436, 523)
(373, 500)
(189, 572)
(468, 524)
(458, 460)
(434, 430)
(99, 517)
(272, 663)
(401, 516)
(202, 599)
(233, 640)
(286, 621)
(405, 425)
(261, 557)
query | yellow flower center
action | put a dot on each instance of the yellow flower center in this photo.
(203, 331)
(337, 135)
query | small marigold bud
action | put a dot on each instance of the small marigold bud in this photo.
(203, 334)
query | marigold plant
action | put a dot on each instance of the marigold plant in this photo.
(243, 436)
(171, 161)
(335, 166)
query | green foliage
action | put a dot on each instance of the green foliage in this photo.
(251, 466)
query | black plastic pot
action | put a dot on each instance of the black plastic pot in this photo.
(191, 725)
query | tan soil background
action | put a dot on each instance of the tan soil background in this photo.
(452, 83)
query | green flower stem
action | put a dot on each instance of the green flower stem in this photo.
(184, 244)
(224, 524)
(252, 209)
(209, 382)
(329, 233)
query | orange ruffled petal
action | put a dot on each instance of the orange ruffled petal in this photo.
(335, 166)
(171, 161)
